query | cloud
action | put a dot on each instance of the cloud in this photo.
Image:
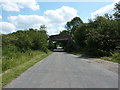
(30, 4)
(27, 21)
(61, 28)
(16, 5)
(53, 19)
(55, 30)
(0, 17)
(61, 15)
(52, 31)
(6, 27)
(107, 9)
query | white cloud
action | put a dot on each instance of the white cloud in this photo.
(27, 21)
(53, 19)
(55, 29)
(107, 9)
(61, 15)
(52, 31)
(15, 5)
(6, 27)
(0, 17)
(29, 3)
(61, 28)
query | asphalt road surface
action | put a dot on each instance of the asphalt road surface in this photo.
(63, 70)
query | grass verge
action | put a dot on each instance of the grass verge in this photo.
(113, 58)
(110, 59)
(16, 71)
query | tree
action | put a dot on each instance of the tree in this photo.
(64, 32)
(71, 25)
(43, 27)
(80, 36)
(108, 16)
(117, 9)
(99, 37)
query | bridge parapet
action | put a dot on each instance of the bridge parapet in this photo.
(60, 37)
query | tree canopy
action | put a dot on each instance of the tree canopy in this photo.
(99, 37)
(71, 25)
(117, 11)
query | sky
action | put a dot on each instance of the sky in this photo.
(20, 15)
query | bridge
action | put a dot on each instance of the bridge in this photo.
(63, 40)
(60, 37)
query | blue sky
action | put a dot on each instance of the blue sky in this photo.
(84, 9)
(53, 14)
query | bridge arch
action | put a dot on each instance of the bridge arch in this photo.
(65, 40)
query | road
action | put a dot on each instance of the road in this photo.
(63, 70)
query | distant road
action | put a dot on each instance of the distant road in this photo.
(62, 70)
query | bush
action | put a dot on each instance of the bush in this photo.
(99, 37)
(116, 55)
(19, 47)
(25, 40)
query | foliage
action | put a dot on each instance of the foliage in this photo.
(100, 37)
(16, 71)
(43, 27)
(71, 25)
(116, 55)
(14, 59)
(80, 35)
(117, 13)
(17, 47)
(51, 45)
(64, 32)
(25, 40)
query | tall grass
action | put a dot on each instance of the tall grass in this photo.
(14, 59)
(22, 65)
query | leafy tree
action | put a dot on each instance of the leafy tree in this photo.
(43, 27)
(71, 25)
(80, 35)
(117, 13)
(51, 45)
(99, 37)
(64, 32)
(31, 39)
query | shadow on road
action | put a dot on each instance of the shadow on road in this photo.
(82, 56)
(59, 49)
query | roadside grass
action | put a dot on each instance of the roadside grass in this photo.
(13, 59)
(114, 58)
(14, 72)
(110, 59)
